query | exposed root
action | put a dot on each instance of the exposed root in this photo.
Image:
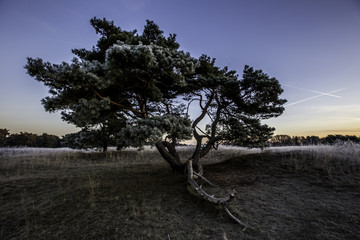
(203, 178)
(235, 218)
(208, 197)
(211, 198)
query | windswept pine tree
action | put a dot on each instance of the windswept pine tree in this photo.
(144, 83)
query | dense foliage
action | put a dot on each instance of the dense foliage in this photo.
(4, 133)
(24, 139)
(286, 140)
(144, 84)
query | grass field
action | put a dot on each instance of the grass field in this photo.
(282, 193)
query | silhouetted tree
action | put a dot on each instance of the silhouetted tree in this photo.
(145, 80)
(48, 141)
(22, 139)
(281, 140)
(100, 137)
(312, 140)
(332, 139)
(4, 133)
(140, 78)
(285, 140)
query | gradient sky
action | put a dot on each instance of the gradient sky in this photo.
(311, 46)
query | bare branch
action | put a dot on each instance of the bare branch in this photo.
(205, 195)
(210, 198)
(204, 110)
(209, 115)
(235, 218)
(213, 138)
(200, 102)
(203, 178)
(205, 135)
(167, 107)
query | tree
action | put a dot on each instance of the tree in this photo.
(4, 133)
(100, 136)
(146, 81)
(282, 140)
(333, 139)
(48, 141)
(22, 139)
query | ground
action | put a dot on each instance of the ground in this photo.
(287, 194)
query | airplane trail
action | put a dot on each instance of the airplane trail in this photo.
(313, 91)
(321, 94)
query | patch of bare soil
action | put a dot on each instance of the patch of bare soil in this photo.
(280, 204)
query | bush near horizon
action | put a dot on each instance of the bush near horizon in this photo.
(25, 139)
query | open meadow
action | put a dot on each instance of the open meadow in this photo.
(282, 193)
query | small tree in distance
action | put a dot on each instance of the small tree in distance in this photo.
(4, 133)
(147, 82)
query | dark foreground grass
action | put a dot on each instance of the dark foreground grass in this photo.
(99, 196)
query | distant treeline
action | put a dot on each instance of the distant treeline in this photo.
(286, 140)
(24, 139)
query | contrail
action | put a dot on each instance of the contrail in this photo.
(313, 91)
(321, 94)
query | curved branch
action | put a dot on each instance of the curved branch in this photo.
(204, 110)
(235, 218)
(210, 198)
(203, 178)
(168, 152)
(199, 138)
(205, 195)
(205, 135)
(213, 138)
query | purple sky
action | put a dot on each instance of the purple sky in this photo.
(311, 46)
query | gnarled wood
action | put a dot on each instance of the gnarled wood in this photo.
(205, 195)
(233, 217)
(210, 198)
(168, 152)
(203, 178)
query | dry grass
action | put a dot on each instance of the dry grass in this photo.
(282, 194)
(339, 163)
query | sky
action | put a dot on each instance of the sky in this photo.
(311, 46)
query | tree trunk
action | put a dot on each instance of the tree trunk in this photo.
(198, 188)
(222, 201)
(168, 152)
(197, 166)
(105, 146)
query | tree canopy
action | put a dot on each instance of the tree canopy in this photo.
(25, 139)
(137, 89)
(4, 133)
(144, 84)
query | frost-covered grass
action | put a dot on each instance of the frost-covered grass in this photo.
(344, 157)
(31, 160)
(340, 162)
(307, 192)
